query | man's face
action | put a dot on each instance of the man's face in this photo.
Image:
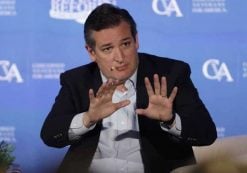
(115, 51)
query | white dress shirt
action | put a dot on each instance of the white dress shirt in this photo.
(118, 149)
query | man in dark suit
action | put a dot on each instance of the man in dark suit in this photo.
(126, 111)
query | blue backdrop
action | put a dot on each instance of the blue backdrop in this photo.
(41, 39)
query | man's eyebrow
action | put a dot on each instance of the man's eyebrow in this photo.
(126, 39)
(110, 44)
(105, 45)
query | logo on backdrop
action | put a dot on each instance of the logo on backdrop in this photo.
(213, 69)
(41, 70)
(77, 10)
(221, 131)
(166, 8)
(7, 134)
(9, 72)
(7, 8)
(244, 64)
(209, 6)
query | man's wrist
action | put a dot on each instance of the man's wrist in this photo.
(86, 121)
(169, 123)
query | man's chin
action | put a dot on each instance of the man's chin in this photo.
(120, 78)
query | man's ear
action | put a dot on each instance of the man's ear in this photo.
(91, 52)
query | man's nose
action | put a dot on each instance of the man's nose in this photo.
(119, 56)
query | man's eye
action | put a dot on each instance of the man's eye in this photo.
(107, 49)
(126, 44)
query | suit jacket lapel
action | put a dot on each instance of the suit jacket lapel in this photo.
(144, 70)
(97, 80)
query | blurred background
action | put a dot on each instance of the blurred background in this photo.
(41, 39)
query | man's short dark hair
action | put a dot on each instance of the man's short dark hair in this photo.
(106, 16)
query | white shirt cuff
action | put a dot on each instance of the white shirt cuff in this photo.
(176, 128)
(77, 127)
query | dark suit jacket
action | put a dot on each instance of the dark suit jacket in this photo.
(161, 151)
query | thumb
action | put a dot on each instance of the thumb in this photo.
(141, 111)
(122, 104)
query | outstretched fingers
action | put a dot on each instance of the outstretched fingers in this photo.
(148, 87)
(163, 91)
(121, 104)
(173, 94)
(107, 88)
(156, 84)
(91, 94)
(101, 90)
(141, 111)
